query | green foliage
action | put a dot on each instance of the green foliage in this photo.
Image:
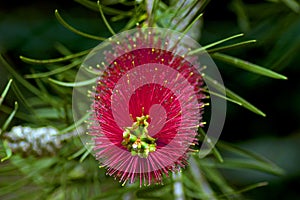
(73, 173)
(6, 123)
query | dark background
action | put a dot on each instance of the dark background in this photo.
(29, 28)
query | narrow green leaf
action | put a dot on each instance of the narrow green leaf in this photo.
(187, 29)
(71, 28)
(236, 163)
(284, 58)
(48, 113)
(112, 193)
(247, 66)
(245, 189)
(21, 193)
(232, 46)
(190, 184)
(77, 153)
(239, 7)
(89, 4)
(93, 71)
(156, 192)
(62, 49)
(73, 84)
(7, 151)
(232, 95)
(192, 23)
(240, 151)
(107, 10)
(10, 117)
(104, 19)
(217, 178)
(5, 91)
(85, 155)
(188, 8)
(179, 8)
(152, 12)
(42, 87)
(197, 195)
(200, 179)
(292, 4)
(133, 22)
(55, 71)
(10, 188)
(78, 122)
(26, 103)
(128, 3)
(215, 151)
(117, 18)
(256, 158)
(19, 115)
(55, 60)
(7, 168)
(222, 96)
(244, 103)
(214, 44)
(28, 85)
(36, 102)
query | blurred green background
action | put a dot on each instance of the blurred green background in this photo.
(29, 28)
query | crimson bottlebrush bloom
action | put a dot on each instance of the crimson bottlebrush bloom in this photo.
(147, 107)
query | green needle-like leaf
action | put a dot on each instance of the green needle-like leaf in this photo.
(77, 153)
(186, 12)
(293, 5)
(19, 115)
(10, 117)
(200, 179)
(245, 189)
(26, 84)
(78, 123)
(247, 66)
(216, 177)
(7, 151)
(5, 91)
(55, 71)
(104, 19)
(192, 23)
(244, 102)
(222, 96)
(232, 46)
(215, 151)
(84, 156)
(55, 60)
(110, 11)
(22, 98)
(254, 161)
(71, 28)
(240, 151)
(233, 95)
(215, 43)
(237, 163)
(179, 8)
(153, 6)
(73, 84)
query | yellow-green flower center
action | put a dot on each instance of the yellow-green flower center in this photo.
(137, 140)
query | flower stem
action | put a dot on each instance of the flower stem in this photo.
(177, 186)
(203, 184)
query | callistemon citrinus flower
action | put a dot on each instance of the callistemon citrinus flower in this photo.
(147, 106)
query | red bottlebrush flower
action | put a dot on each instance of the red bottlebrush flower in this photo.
(147, 106)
